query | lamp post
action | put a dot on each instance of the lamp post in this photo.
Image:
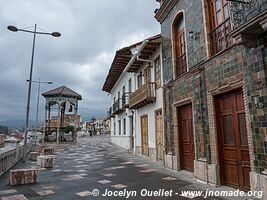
(37, 106)
(34, 32)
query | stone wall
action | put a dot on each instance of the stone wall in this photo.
(234, 68)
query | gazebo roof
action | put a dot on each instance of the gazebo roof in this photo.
(62, 91)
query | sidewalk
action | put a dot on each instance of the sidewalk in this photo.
(95, 167)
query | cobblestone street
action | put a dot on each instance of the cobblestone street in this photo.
(95, 166)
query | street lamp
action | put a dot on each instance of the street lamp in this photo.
(37, 107)
(54, 34)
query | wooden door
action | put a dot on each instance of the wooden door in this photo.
(144, 134)
(159, 135)
(233, 141)
(187, 149)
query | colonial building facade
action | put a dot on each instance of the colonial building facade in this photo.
(215, 95)
(134, 82)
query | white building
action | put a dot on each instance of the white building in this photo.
(134, 82)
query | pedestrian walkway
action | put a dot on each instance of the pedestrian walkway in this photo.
(94, 168)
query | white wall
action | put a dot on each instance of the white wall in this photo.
(149, 109)
(125, 139)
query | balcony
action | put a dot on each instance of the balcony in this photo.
(125, 99)
(180, 65)
(220, 37)
(144, 95)
(249, 18)
(117, 107)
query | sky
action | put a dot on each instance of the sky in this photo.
(92, 31)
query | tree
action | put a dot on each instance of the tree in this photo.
(68, 129)
(3, 130)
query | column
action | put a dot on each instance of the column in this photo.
(58, 121)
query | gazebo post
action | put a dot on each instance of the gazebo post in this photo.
(58, 122)
(49, 116)
(46, 110)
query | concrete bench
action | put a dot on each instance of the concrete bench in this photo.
(34, 155)
(22, 176)
(45, 161)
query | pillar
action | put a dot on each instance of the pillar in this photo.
(58, 121)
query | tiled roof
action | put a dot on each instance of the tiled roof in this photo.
(62, 91)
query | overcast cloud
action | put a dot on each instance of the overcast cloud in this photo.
(91, 33)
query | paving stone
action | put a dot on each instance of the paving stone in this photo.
(104, 181)
(45, 192)
(169, 178)
(148, 170)
(15, 197)
(109, 175)
(84, 194)
(119, 186)
(8, 191)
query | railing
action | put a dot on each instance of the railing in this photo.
(220, 37)
(9, 158)
(117, 106)
(244, 10)
(180, 65)
(142, 96)
(125, 99)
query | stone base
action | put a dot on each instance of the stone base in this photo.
(171, 162)
(34, 155)
(138, 150)
(206, 172)
(22, 176)
(45, 161)
(152, 153)
(48, 151)
(258, 182)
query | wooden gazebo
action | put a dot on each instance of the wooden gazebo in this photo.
(62, 98)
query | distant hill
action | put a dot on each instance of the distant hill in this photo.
(16, 123)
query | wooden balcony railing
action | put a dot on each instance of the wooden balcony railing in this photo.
(220, 37)
(142, 96)
(245, 10)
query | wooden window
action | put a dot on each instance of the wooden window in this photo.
(220, 25)
(157, 67)
(147, 74)
(179, 46)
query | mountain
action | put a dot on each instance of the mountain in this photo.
(16, 123)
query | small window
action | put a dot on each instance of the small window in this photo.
(124, 126)
(130, 85)
(157, 72)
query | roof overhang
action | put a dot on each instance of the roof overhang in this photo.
(121, 61)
